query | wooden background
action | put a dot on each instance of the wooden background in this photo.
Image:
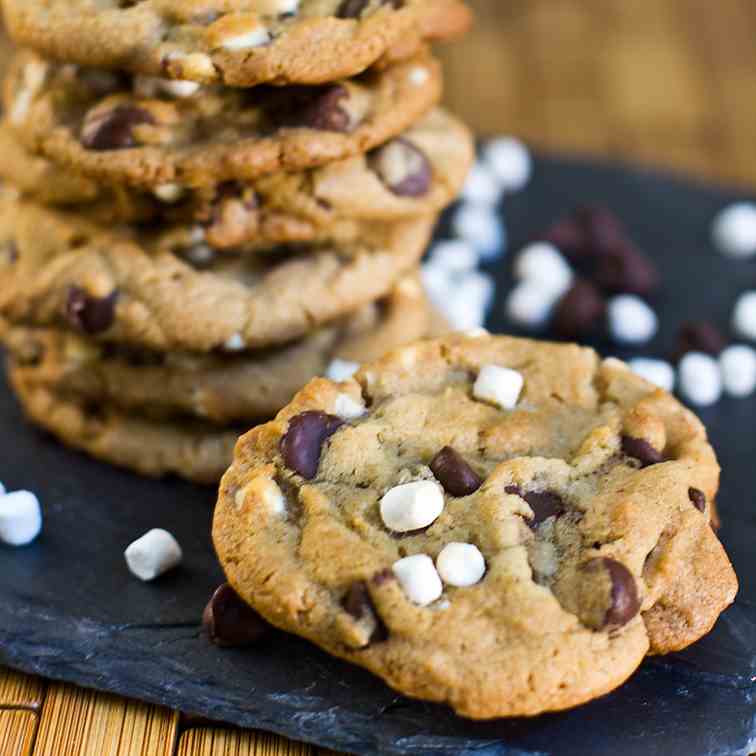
(667, 82)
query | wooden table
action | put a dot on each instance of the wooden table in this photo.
(667, 82)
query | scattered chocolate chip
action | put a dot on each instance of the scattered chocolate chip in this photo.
(90, 314)
(624, 268)
(230, 622)
(580, 311)
(602, 228)
(699, 336)
(640, 449)
(698, 499)
(403, 168)
(514, 491)
(351, 8)
(359, 605)
(302, 444)
(454, 474)
(624, 603)
(383, 576)
(113, 130)
(323, 111)
(544, 504)
(568, 236)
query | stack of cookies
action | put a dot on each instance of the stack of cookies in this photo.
(208, 202)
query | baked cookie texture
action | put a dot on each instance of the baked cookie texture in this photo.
(234, 42)
(585, 490)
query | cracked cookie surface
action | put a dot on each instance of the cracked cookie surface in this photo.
(504, 525)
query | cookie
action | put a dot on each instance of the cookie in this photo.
(222, 389)
(58, 270)
(235, 42)
(120, 129)
(503, 525)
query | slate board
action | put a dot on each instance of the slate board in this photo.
(70, 610)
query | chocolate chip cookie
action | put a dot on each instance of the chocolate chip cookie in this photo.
(235, 42)
(121, 129)
(58, 270)
(507, 526)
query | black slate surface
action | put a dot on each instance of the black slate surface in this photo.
(70, 609)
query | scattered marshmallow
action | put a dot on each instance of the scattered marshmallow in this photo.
(437, 282)
(169, 193)
(658, 372)
(156, 552)
(530, 304)
(480, 226)
(461, 564)
(234, 343)
(700, 379)
(454, 256)
(180, 88)
(744, 315)
(631, 320)
(738, 366)
(734, 230)
(544, 263)
(419, 580)
(412, 506)
(498, 385)
(341, 370)
(255, 37)
(510, 161)
(347, 408)
(481, 186)
(20, 518)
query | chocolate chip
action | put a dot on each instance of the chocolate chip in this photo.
(624, 603)
(454, 474)
(403, 168)
(699, 336)
(697, 498)
(624, 268)
(383, 576)
(640, 449)
(230, 622)
(90, 314)
(544, 504)
(351, 8)
(514, 491)
(602, 228)
(580, 311)
(568, 236)
(359, 605)
(323, 111)
(113, 130)
(303, 442)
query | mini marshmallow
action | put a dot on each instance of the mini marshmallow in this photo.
(256, 37)
(347, 408)
(156, 552)
(234, 343)
(734, 230)
(544, 263)
(2, 490)
(412, 506)
(530, 304)
(20, 518)
(510, 161)
(498, 385)
(437, 282)
(180, 88)
(658, 372)
(744, 315)
(341, 370)
(480, 225)
(419, 580)
(169, 193)
(738, 366)
(631, 320)
(461, 564)
(454, 256)
(481, 186)
(700, 379)
(462, 315)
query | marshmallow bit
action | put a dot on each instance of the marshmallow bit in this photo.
(234, 343)
(179, 88)
(169, 193)
(20, 518)
(419, 75)
(530, 304)
(498, 385)
(454, 256)
(156, 552)
(734, 230)
(461, 564)
(738, 365)
(276, 7)
(341, 370)
(477, 333)
(543, 262)
(194, 64)
(631, 320)
(412, 506)
(481, 186)
(481, 227)
(347, 408)
(256, 37)
(510, 161)
(700, 379)
(658, 372)
(744, 315)
(419, 580)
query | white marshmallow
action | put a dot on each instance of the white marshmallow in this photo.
(631, 320)
(544, 263)
(510, 161)
(738, 365)
(180, 88)
(734, 230)
(2, 490)
(437, 282)
(477, 333)
(20, 518)
(412, 506)
(419, 580)
(463, 316)
(700, 379)
(744, 315)
(256, 37)
(341, 370)
(530, 304)
(461, 564)
(481, 186)
(169, 193)
(480, 225)
(234, 343)
(454, 255)
(658, 372)
(156, 552)
(498, 385)
(347, 408)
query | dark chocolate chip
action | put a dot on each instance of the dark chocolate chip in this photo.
(358, 604)
(230, 622)
(403, 168)
(699, 336)
(351, 8)
(624, 268)
(514, 491)
(624, 602)
(384, 576)
(323, 111)
(544, 504)
(454, 474)
(603, 229)
(114, 130)
(697, 498)
(303, 442)
(580, 311)
(90, 314)
(640, 449)
(568, 236)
